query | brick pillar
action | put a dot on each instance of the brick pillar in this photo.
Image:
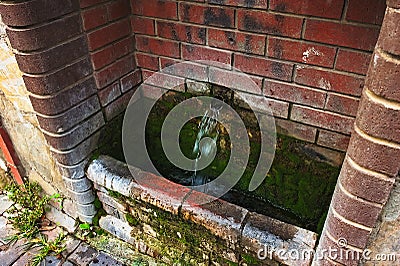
(52, 52)
(373, 158)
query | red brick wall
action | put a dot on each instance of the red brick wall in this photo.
(312, 54)
(111, 48)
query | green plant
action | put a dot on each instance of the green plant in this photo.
(45, 247)
(140, 262)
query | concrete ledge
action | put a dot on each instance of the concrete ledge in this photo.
(241, 231)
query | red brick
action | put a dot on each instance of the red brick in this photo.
(146, 74)
(333, 140)
(350, 257)
(131, 80)
(235, 80)
(163, 80)
(118, 106)
(352, 61)
(143, 25)
(299, 51)
(181, 32)
(207, 15)
(296, 130)
(390, 32)
(294, 93)
(264, 67)
(157, 46)
(166, 62)
(374, 156)
(330, 81)
(366, 11)
(384, 77)
(393, 3)
(342, 104)
(237, 41)
(355, 236)
(323, 119)
(109, 94)
(316, 8)
(193, 52)
(147, 61)
(354, 209)
(109, 54)
(262, 104)
(94, 17)
(378, 119)
(244, 3)
(187, 70)
(108, 34)
(372, 187)
(114, 71)
(358, 37)
(88, 3)
(118, 9)
(263, 22)
(155, 8)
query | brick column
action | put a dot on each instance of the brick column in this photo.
(52, 52)
(373, 158)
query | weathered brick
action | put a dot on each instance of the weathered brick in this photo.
(237, 41)
(94, 17)
(235, 80)
(181, 32)
(118, 9)
(155, 8)
(370, 11)
(339, 229)
(187, 70)
(131, 80)
(384, 76)
(65, 99)
(264, 67)
(352, 61)
(393, 3)
(109, 94)
(358, 37)
(379, 120)
(296, 130)
(88, 3)
(243, 3)
(333, 140)
(192, 52)
(169, 82)
(118, 106)
(263, 22)
(114, 71)
(65, 121)
(143, 25)
(37, 38)
(68, 140)
(354, 209)
(294, 93)
(334, 260)
(373, 155)
(330, 81)
(107, 34)
(147, 61)
(322, 119)
(300, 51)
(157, 46)
(55, 82)
(342, 104)
(390, 32)
(34, 12)
(111, 53)
(53, 58)
(166, 62)
(316, 8)
(262, 104)
(366, 185)
(207, 15)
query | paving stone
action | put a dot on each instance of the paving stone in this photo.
(71, 244)
(61, 219)
(25, 258)
(6, 229)
(9, 256)
(105, 260)
(83, 255)
(68, 263)
(5, 203)
(51, 261)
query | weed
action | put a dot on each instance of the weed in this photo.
(45, 247)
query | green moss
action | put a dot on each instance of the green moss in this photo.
(249, 259)
(115, 194)
(131, 220)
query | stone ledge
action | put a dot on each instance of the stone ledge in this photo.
(243, 231)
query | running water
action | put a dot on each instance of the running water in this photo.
(207, 128)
